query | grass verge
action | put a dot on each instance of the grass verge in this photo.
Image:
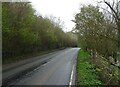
(86, 74)
(26, 56)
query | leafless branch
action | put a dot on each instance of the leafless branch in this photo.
(116, 16)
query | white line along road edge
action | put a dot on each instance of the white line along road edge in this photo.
(71, 77)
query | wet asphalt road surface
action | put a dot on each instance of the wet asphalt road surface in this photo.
(59, 70)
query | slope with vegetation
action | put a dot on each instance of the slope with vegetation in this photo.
(25, 32)
(98, 34)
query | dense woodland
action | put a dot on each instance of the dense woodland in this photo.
(25, 32)
(98, 29)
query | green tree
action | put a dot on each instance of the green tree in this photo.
(95, 32)
(24, 32)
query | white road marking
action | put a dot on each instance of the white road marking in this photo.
(70, 83)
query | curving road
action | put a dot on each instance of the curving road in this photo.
(58, 70)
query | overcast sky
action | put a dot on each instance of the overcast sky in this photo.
(65, 9)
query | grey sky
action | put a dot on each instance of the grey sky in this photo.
(65, 9)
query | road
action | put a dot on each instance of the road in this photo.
(58, 70)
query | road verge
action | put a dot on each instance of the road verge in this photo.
(85, 70)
